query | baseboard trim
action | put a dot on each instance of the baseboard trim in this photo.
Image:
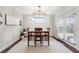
(74, 50)
(9, 47)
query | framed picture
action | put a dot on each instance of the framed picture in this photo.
(1, 19)
(13, 21)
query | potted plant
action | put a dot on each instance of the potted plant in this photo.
(22, 34)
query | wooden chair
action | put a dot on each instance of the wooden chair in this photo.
(31, 37)
(45, 36)
(38, 35)
(38, 29)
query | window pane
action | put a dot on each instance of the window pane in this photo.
(39, 19)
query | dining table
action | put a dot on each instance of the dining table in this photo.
(38, 34)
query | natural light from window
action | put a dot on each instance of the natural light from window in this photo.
(39, 19)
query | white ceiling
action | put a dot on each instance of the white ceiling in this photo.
(30, 9)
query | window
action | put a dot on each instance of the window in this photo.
(70, 26)
(39, 19)
(61, 27)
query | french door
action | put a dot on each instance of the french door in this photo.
(67, 28)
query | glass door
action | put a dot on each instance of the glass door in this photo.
(61, 28)
(67, 28)
(70, 29)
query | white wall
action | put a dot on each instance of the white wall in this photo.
(8, 34)
(27, 24)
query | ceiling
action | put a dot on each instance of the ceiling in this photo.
(50, 10)
(28, 10)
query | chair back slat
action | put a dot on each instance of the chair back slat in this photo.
(38, 29)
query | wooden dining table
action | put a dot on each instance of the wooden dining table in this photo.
(38, 34)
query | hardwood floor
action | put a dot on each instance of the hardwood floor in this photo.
(67, 45)
(8, 48)
(55, 47)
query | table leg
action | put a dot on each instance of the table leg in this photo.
(28, 41)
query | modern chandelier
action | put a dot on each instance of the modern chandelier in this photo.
(39, 12)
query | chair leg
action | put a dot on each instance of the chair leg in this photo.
(48, 41)
(28, 41)
(35, 42)
(41, 41)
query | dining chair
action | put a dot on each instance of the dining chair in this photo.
(45, 37)
(38, 35)
(31, 37)
(38, 29)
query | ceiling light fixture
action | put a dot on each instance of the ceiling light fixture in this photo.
(39, 12)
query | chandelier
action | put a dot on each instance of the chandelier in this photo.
(39, 12)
